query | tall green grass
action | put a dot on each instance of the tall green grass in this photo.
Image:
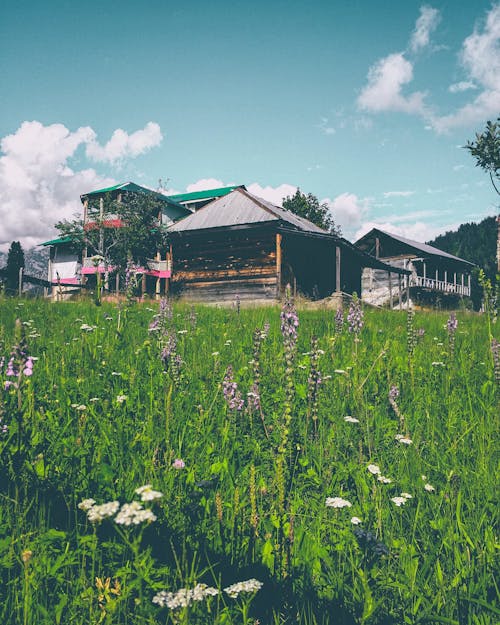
(250, 500)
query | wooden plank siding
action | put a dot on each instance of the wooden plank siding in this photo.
(224, 266)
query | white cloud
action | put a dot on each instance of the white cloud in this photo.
(348, 211)
(206, 183)
(464, 85)
(122, 145)
(426, 23)
(275, 195)
(39, 186)
(480, 58)
(418, 231)
(398, 193)
(385, 82)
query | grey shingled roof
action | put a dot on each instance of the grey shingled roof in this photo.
(239, 208)
(421, 247)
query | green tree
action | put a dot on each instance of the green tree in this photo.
(129, 230)
(486, 150)
(15, 261)
(309, 207)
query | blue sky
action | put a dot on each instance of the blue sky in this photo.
(365, 104)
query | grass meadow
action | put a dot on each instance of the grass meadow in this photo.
(226, 466)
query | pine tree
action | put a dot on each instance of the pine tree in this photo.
(15, 261)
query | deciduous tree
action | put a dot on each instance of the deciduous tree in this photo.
(309, 207)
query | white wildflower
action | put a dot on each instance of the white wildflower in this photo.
(86, 328)
(116, 373)
(250, 585)
(121, 398)
(350, 419)
(374, 469)
(404, 440)
(147, 493)
(429, 488)
(424, 478)
(215, 353)
(182, 332)
(102, 511)
(184, 597)
(94, 399)
(340, 371)
(133, 514)
(437, 363)
(86, 504)
(355, 520)
(337, 502)
(399, 501)
(383, 479)
(407, 495)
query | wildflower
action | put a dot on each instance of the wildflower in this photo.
(340, 371)
(86, 328)
(215, 353)
(374, 469)
(94, 399)
(250, 585)
(98, 513)
(116, 373)
(394, 392)
(79, 407)
(184, 597)
(133, 514)
(182, 332)
(178, 463)
(230, 389)
(424, 477)
(437, 364)
(399, 501)
(407, 495)
(26, 555)
(337, 502)
(86, 504)
(384, 480)
(147, 493)
(355, 316)
(355, 520)
(339, 321)
(121, 398)
(404, 440)
(429, 488)
(350, 419)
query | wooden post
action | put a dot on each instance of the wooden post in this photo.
(338, 283)
(158, 284)
(143, 284)
(21, 270)
(101, 229)
(117, 282)
(278, 265)
(399, 292)
(462, 284)
(455, 281)
(437, 277)
(445, 280)
(468, 284)
(390, 290)
(425, 272)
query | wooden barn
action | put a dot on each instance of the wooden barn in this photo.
(433, 273)
(241, 245)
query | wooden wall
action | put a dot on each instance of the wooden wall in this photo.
(221, 266)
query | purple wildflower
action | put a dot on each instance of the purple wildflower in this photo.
(339, 321)
(355, 316)
(230, 389)
(394, 391)
(451, 326)
(178, 464)
(495, 352)
(289, 321)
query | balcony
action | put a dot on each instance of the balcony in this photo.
(440, 285)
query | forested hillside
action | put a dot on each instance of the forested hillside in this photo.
(475, 242)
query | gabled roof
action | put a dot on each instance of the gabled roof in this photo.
(131, 187)
(416, 246)
(204, 195)
(237, 208)
(58, 241)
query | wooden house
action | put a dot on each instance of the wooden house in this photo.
(195, 200)
(433, 273)
(69, 267)
(241, 245)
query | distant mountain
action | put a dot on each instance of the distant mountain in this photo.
(36, 261)
(475, 242)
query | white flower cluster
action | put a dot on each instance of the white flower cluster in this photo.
(374, 469)
(404, 440)
(184, 597)
(86, 328)
(337, 502)
(147, 493)
(121, 398)
(134, 514)
(250, 585)
(97, 513)
(86, 504)
(400, 501)
(351, 419)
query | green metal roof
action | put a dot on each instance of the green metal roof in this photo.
(58, 241)
(133, 188)
(203, 195)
